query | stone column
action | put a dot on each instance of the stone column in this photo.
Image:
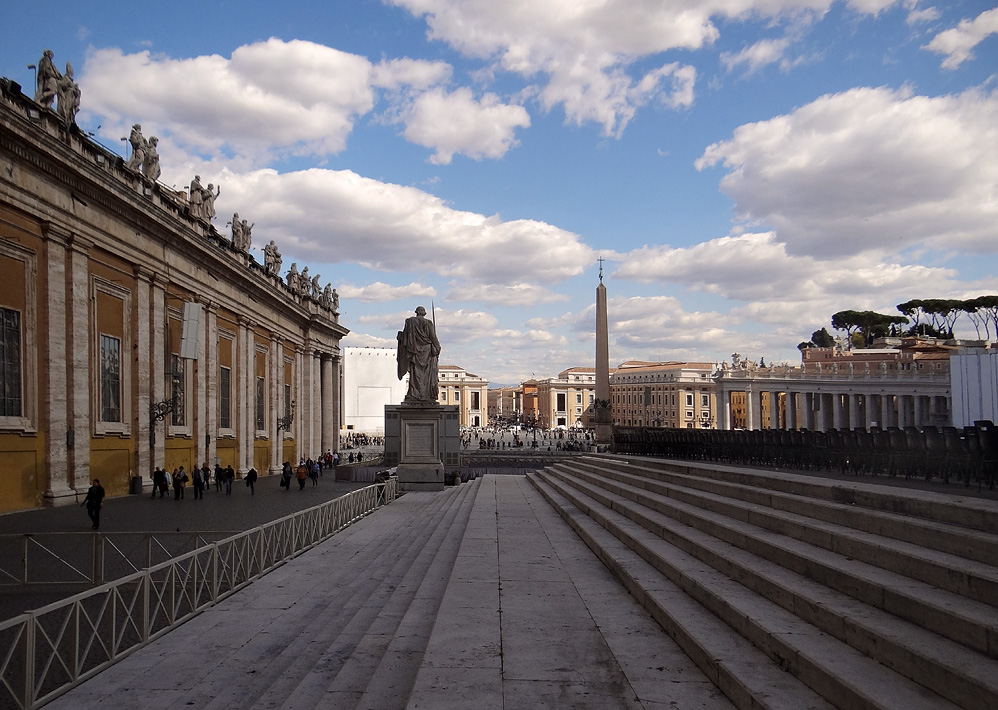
(808, 418)
(211, 382)
(245, 409)
(791, 421)
(604, 425)
(328, 407)
(838, 416)
(774, 409)
(79, 358)
(337, 403)
(199, 427)
(298, 394)
(276, 380)
(887, 416)
(723, 408)
(55, 401)
(855, 418)
(143, 395)
(751, 407)
(157, 379)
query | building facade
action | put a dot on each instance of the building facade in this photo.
(563, 400)
(134, 335)
(664, 394)
(906, 384)
(370, 381)
(467, 391)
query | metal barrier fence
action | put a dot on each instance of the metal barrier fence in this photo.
(90, 558)
(45, 652)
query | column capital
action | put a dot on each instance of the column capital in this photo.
(53, 232)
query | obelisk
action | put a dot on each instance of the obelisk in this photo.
(602, 404)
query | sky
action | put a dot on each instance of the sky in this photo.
(744, 168)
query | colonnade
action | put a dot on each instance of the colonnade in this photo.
(885, 402)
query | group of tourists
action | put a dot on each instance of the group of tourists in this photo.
(307, 469)
(199, 479)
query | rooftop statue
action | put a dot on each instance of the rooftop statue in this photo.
(69, 96)
(47, 80)
(138, 143)
(208, 208)
(418, 353)
(150, 160)
(195, 198)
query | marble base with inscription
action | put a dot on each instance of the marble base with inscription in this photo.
(420, 467)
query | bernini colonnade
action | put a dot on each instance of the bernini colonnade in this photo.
(838, 397)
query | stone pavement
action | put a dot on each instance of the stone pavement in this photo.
(477, 597)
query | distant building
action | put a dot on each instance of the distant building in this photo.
(466, 390)
(370, 381)
(664, 394)
(562, 400)
(502, 404)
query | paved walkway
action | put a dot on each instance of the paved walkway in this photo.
(528, 618)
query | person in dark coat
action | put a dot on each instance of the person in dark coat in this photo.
(94, 502)
(251, 480)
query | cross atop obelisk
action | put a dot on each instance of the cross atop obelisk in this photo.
(601, 409)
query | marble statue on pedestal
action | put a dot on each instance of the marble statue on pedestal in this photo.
(418, 353)
(69, 96)
(47, 80)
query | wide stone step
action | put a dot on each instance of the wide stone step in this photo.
(974, 584)
(972, 513)
(842, 674)
(958, 540)
(946, 667)
(743, 672)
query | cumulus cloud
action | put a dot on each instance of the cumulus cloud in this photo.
(583, 54)
(869, 170)
(299, 98)
(456, 122)
(379, 292)
(516, 294)
(755, 57)
(731, 267)
(295, 96)
(958, 43)
(327, 215)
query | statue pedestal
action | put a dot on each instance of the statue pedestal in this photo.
(420, 467)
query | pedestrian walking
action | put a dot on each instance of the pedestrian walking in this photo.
(179, 479)
(301, 474)
(286, 474)
(219, 477)
(94, 502)
(251, 481)
(206, 475)
(158, 482)
(230, 476)
(198, 482)
(314, 473)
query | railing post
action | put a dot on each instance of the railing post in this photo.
(146, 610)
(29, 662)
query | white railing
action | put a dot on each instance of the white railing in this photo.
(45, 652)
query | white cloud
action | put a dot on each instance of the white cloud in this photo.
(761, 54)
(379, 292)
(870, 7)
(731, 267)
(293, 96)
(410, 73)
(326, 215)
(958, 43)
(869, 170)
(516, 294)
(456, 122)
(585, 50)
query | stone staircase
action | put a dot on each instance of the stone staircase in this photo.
(791, 591)
(342, 626)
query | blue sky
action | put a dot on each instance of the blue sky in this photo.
(746, 167)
